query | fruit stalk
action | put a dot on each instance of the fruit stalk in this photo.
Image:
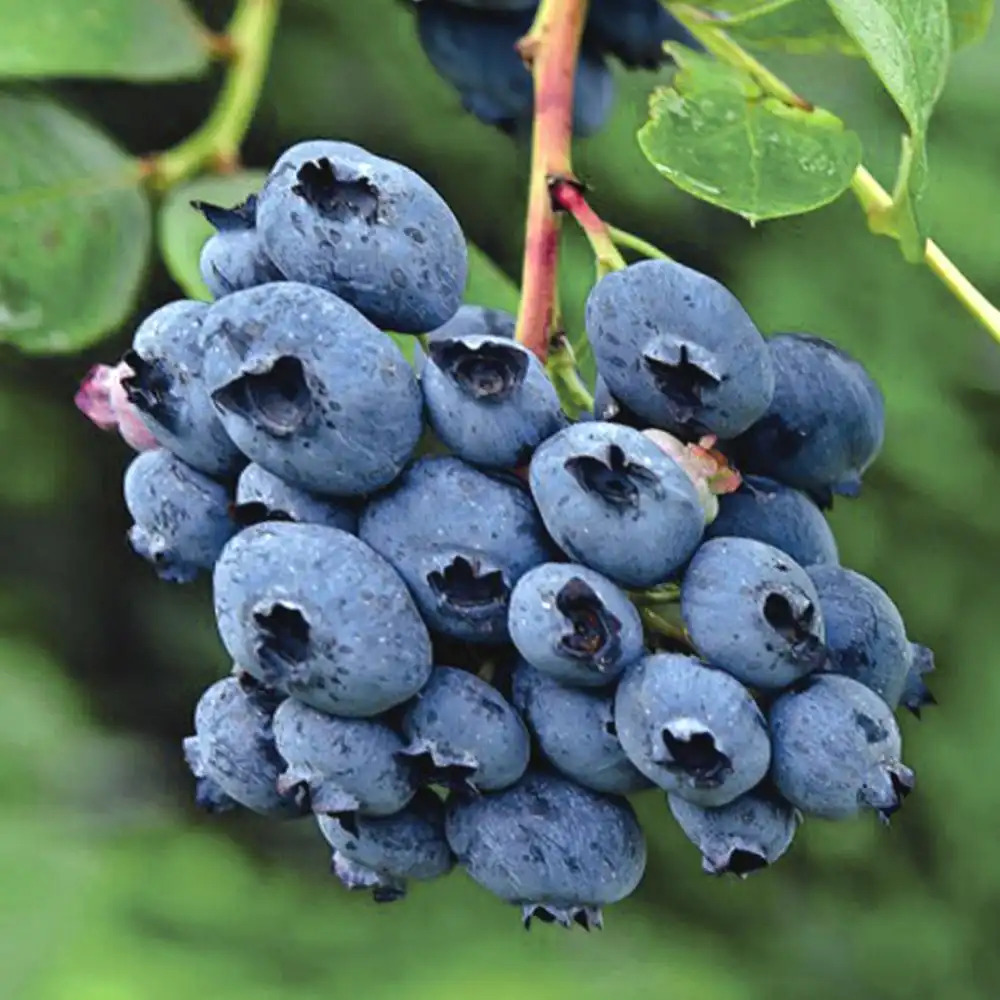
(568, 195)
(550, 49)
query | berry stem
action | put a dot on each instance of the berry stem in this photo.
(568, 195)
(573, 393)
(550, 49)
(215, 144)
(870, 194)
(632, 242)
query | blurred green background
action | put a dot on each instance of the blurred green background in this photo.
(113, 888)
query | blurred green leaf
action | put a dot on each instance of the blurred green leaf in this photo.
(119, 39)
(715, 134)
(74, 228)
(800, 26)
(488, 285)
(970, 20)
(182, 230)
(35, 452)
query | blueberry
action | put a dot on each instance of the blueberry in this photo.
(575, 730)
(310, 390)
(463, 734)
(461, 539)
(614, 501)
(574, 624)
(263, 496)
(677, 348)
(182, 518)
(316, 613)
(556, 849)
(748, 834)
(232, 753)
(635, 31)
(825, 424)
(381, 852)
(476, 52)
(690, 729)
(778, 515)
(165, 387)
(864, 631)
(753, 611)
(916, 695)
(489, 399)
(232, 258)
(836, 749)
(345, 766)
(476, 321)
(371, 230)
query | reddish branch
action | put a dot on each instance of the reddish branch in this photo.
(568, 196)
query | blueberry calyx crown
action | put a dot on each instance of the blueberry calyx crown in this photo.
(615, 479)
(277, 400)
(283, 639)
(148, 389)
(587, 917)
(491, 372)
(466, 586)
(696, 755)
(240, 217)
(336, 198)
(795, 624)
(595, 631)
(680, 378)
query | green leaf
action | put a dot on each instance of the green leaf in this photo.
(715, 134)
(182, 230)
(74, 228)
(799, 26)
(900, 220)
(121, 39)
(488, 285)
(970, 20)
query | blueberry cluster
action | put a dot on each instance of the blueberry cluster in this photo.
(465, 627)
(473, 45)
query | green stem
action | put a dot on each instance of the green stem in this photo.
(573, 393)
(632, 242)
(872, 197)
(568, 196)
(216, 143)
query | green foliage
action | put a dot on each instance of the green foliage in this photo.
(74, 228)
(799, 26)
(717, 135)
(970, 20)
(120, 39)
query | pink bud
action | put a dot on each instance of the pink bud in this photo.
(102, 398)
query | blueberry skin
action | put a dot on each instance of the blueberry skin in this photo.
(374, 232)
(865, 633)
(690, 729)
(635, 30)
(836, 750)
(460, 539)
(475, 51)
(786, 518)
(825, 424)
(576, 733)
(752, 611)
(346, 766)
(750, 833)
(463, 733)
(182, 518)
(677, 348)
(381, 852)
(232, 258)
(916, 695)
(310, 390)
(616, 502)
(169, 394)
(558, 850)
(233, 751)
(574, 624)
(314, 612)
(263, 496)
(489, 399)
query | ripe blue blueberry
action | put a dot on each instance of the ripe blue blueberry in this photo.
(232, 258)
(316, 613)
(167, 390)
(557, 850)
(489, 400)
(232, 754)
(837, 749)
(182, 518)
(634, 31)
(381, 852)
(825, 423)
(916, 695)
(469, 321)
(344, 766)
(374, 232)
(677, 348)
(691, 729)
(616, 502)
(751, 610)
(463, 734)
(865, 633)
(575, 730)
(460, 539)
(778, 515)
(310, 390)
(263, 496)
(574, 624)
(748, 834)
